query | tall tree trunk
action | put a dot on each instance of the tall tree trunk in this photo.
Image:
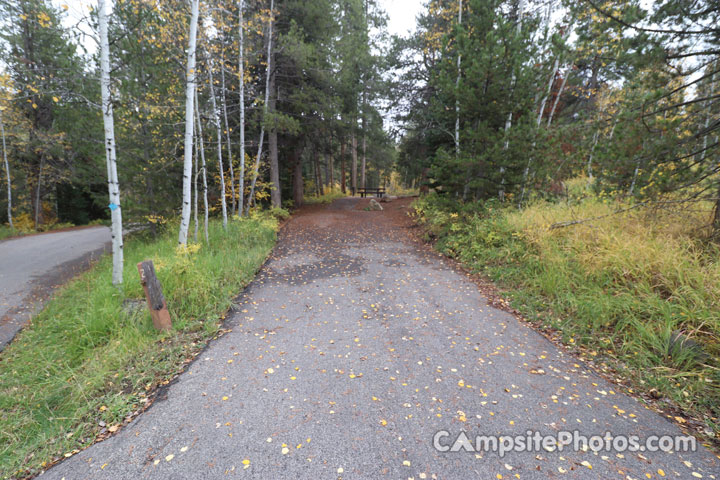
(241, 69)
(275, 192)
(541, 111)
(508, 122)
(363, 164)
(229, 147)
(298, 183)
(590, 157)
(189, 127)
(318, 175)
(7, 174)
(557, 97)
(38, 191)
(343, 179)
(543, 103)
(195, 190)
(327, 171)
(218, 128)
(149, 191)
(201, 143)
(109, 127)
(256, 168)
(457, 89)
(353, 170)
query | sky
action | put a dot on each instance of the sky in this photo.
(401, 14)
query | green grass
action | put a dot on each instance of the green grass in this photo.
(636, 292)
(329, 196)
(7, 232)
(86, 359)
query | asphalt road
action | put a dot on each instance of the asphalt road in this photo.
(347, 354)
(32, 266)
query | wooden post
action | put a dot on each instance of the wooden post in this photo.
(153, 293)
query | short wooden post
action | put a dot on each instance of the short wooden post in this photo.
(153, 293)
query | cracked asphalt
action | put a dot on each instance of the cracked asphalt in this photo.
(346, 355)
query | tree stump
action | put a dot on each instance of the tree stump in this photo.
(155, 299)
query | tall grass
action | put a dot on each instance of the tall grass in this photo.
(329, 195)
(639, 290)
(91, 356)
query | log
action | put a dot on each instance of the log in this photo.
(155, 298)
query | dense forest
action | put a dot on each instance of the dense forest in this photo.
(303, 118)
(508, 99)
(251, 103)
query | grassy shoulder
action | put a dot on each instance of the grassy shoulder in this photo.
(91, 359)
(637, 292)
(330, 194)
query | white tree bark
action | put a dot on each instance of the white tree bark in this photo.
(195, 189)
(227, 138)
(203, 167)
(457, 88)
(109, 127)
(557, 98)
(216, 117)
(241, 66)
(189, 124)
(256, 168)
(7, 173)
(543, 104)
(508, 122)
(590, 158)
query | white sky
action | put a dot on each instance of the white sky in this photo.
(401, 14)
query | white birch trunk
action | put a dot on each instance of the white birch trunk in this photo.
(195, 190)
(109, 127)
(590, 158)
(203, 167)
(508, 122)
(707, 119)
(256, 168)
(7, 174)
(216, 117)
(241, 67)
(557, 98)
(189, 125)
(543, 103)
(227, 138)
(457, 88)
